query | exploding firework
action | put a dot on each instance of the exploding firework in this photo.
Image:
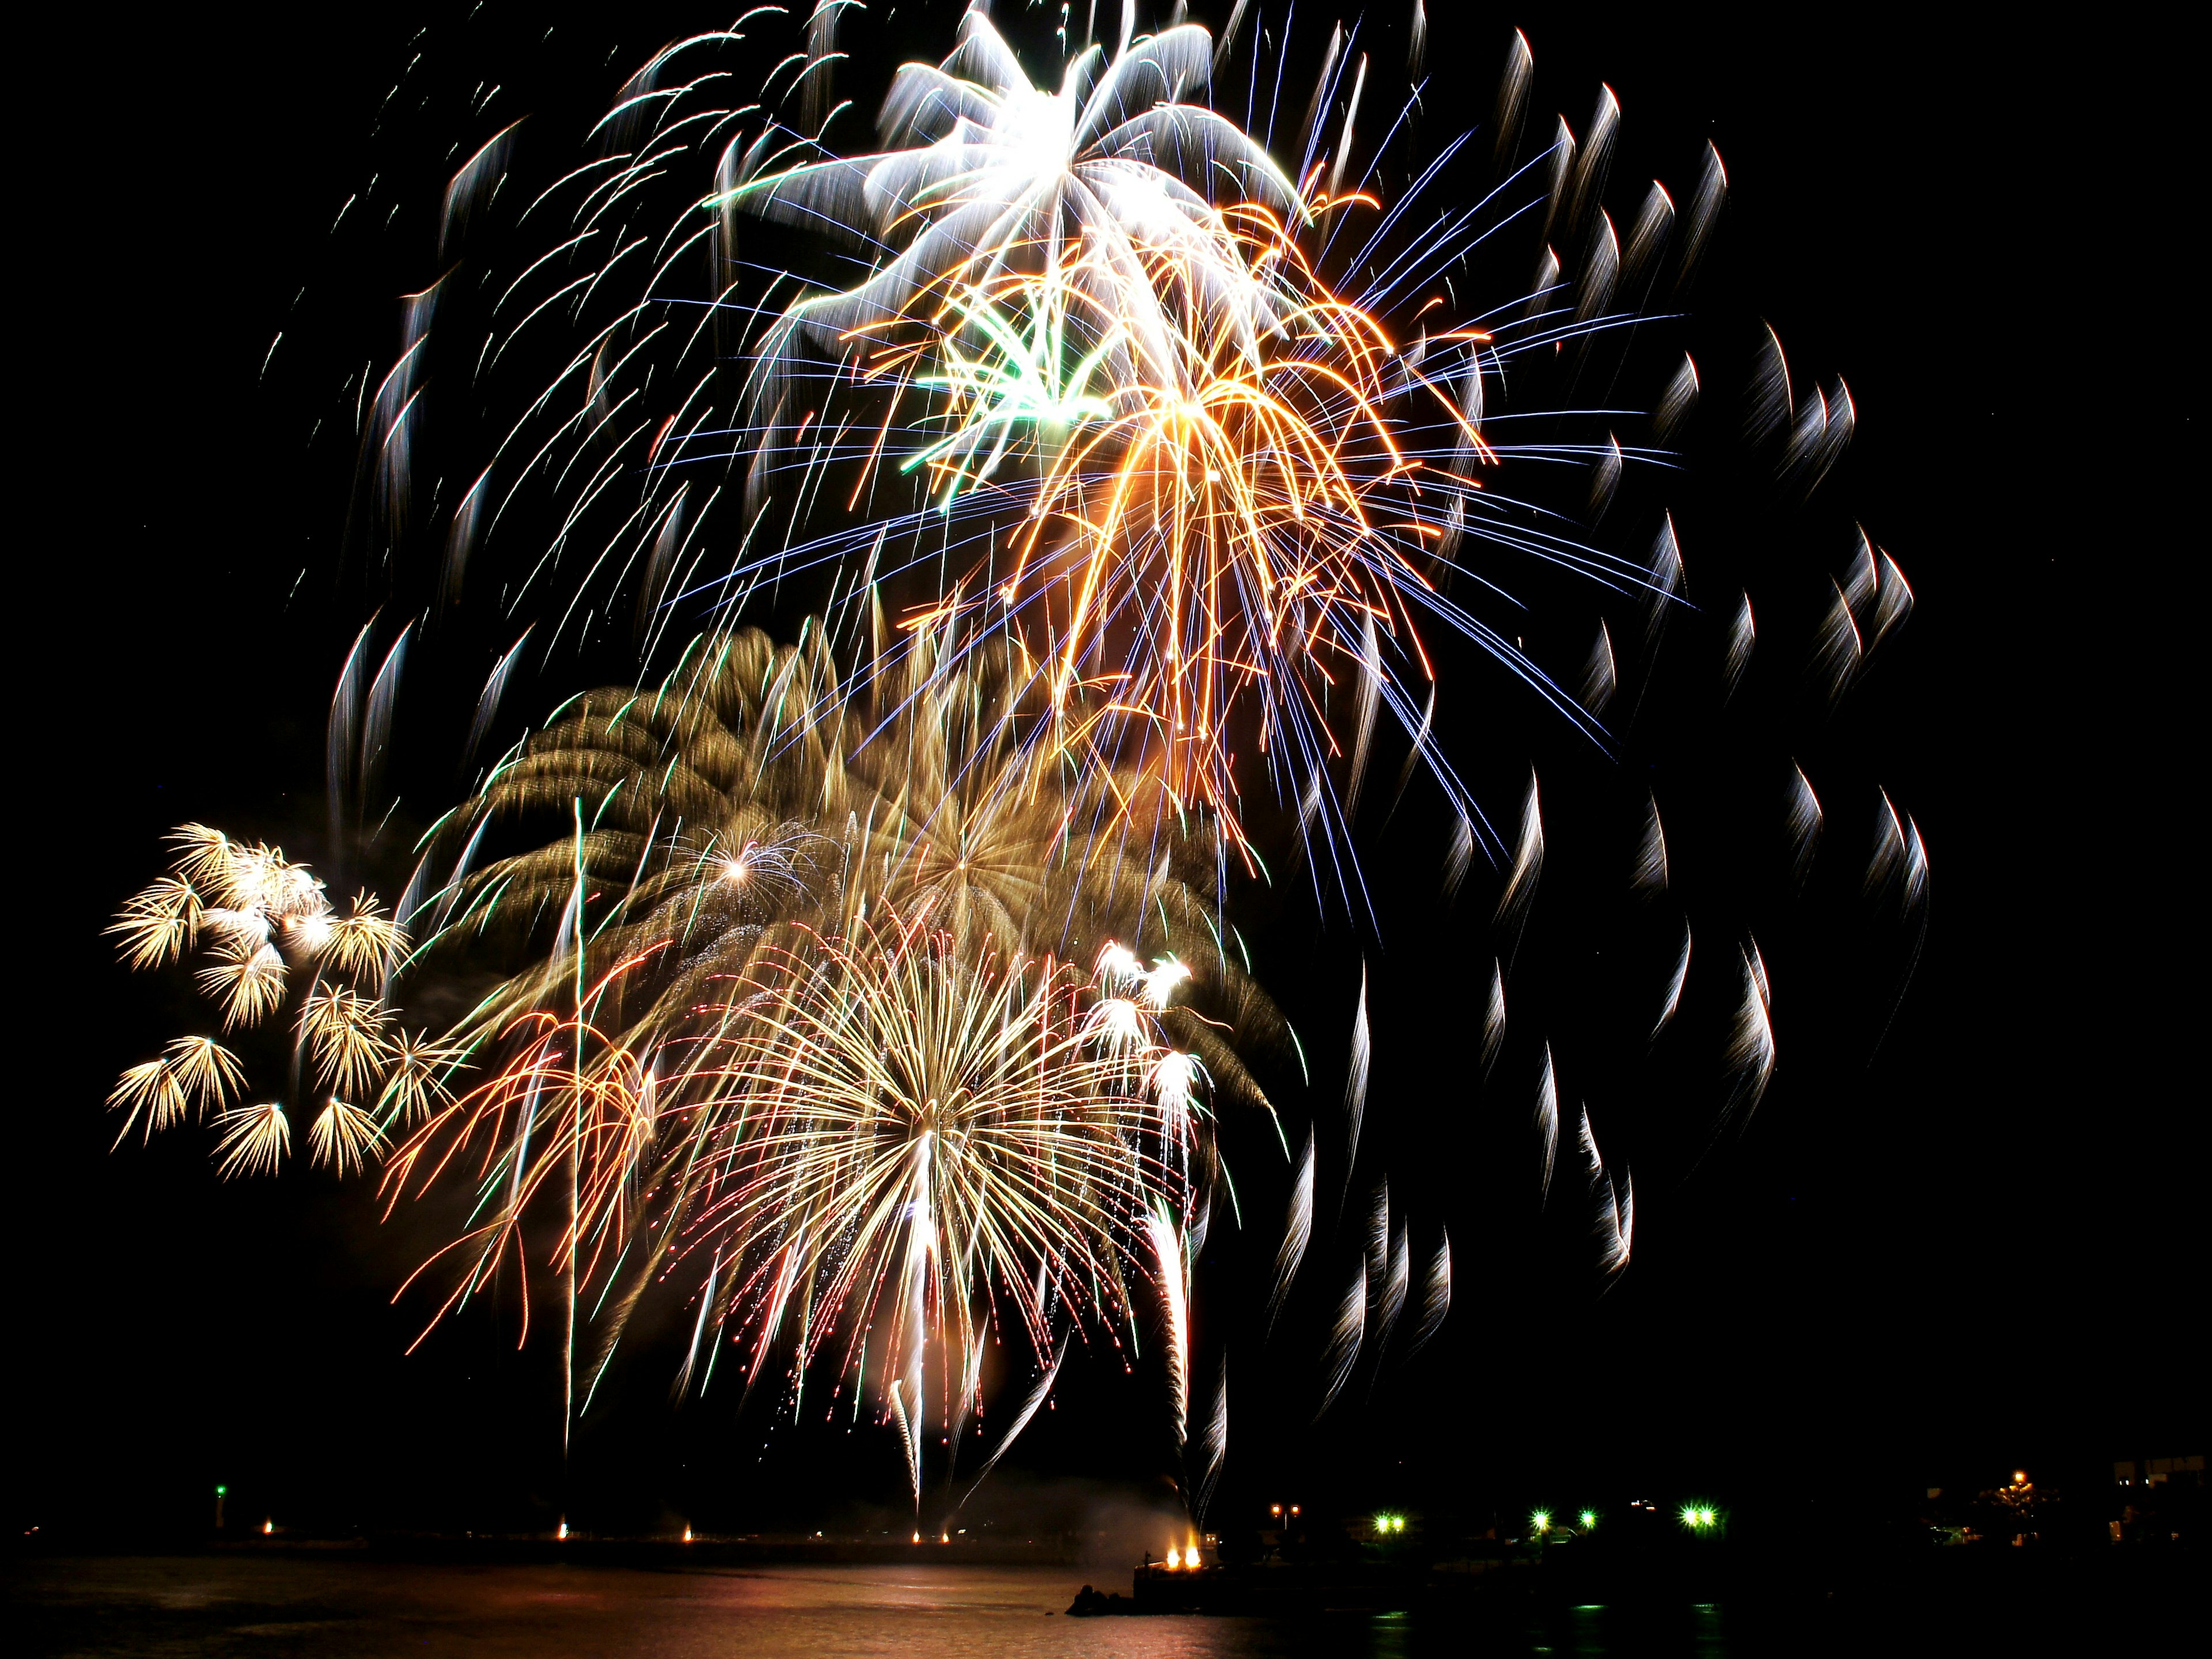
(259, 920)
(752, 793)
(1134, 468)
(1201, 431)
(865, 1150)
(1214, 501)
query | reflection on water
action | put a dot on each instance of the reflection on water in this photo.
(275, 1607)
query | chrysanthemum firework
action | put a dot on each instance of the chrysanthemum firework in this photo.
(867, 1149)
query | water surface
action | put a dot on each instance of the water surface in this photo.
(348, 1607)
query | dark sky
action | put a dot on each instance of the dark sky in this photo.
(1980, 1248)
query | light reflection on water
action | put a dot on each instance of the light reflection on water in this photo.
(272, 1608)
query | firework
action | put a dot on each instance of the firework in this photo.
(992, 175)
(1146, 465)
(1347, 1331)
(1297, 1229)
(872, 1145)
(753, 793)
(1097, 391)
(262, 918)
(254, 1139)
(1435, 1295)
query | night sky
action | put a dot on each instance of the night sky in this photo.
(1962, 1238)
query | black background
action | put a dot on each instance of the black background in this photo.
(1980, 1251)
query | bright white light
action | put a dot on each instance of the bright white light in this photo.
(1118, 966)
(1160, 985)
(1118, 1022)
(1174, 1083)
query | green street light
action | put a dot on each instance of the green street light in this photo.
(1588, 1519)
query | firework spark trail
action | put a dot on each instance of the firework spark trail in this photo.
(1805, 822)
(1376, 1243)
(1898, 877)
(1436, 1295)
(1513, 904)
(1397, 1281)
(1493, 1019)
(1355, 1085)
(1297, 1229)
(195, 1076)
(258, 918)
(1028, 1409)
(1750, 1057)
(1547, 1121)
(1213, 1445)
(1743, 639)
(1615, 1203)
(1649, 877)
(1173, 1273)
(1346, 1335)
(1672, 1000)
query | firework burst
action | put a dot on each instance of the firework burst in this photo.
(264, 919)
(878, 992)
(869, 1148)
